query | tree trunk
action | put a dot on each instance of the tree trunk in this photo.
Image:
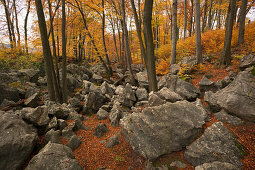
(205, 17)
(17, 21)
(198, 32)
(242, 22)
(46, 49)
(25, 25)
(138, 29)
(209, 26)
(226, 55)
(219, 16)
(127, 48)
(148, 37)
(105, 50)
(185, 19)
(191, 17)
(174, 32)
(64, 80)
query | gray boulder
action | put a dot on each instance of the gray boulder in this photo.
(207, 85)
(169, 95)
(114, 140)
(216, 144)
(106, 89)
(247, 61)
(30, 75)
(8, 93)
(116, 114)
(217, 165)
(33, 100)
(72, 83)
(223, 116)
(142, 79)
(238, 98)
(93, 102)
(97, 79)
(141, 94)
(155, 100)
(185, 89)
(126, 95)
(174, 69)
(74, 142)
(76, 104)
(100, 130)
(52, 136)
(17, 141)
(102, 114)
(163, 129)
(6, 103)
(58, 110)
(54, 156)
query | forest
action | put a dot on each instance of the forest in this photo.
(127, 84)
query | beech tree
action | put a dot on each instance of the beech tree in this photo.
(198, 32)
(242, 22)
(174, 32)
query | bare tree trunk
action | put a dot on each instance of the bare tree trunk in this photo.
(174, 32)
(185, 19)
(64, 80)
(242, 22)
(127, 48)
(198, 32)
(46, 49)
(209, 26)
(17, 22)
(191, 17)
(138, 29)
(226, 55)
(219, 16)
(25, 25)
(105, 50)
(148, 37)
(205, 17)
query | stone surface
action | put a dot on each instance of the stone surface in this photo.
(126, 95)
(6, 103)
(163, 129)
(17, 140)
(207, 85)
(178, 164)
(238, 98)
(141, 94)
(52, 136)
(106, 89)
(100, 130)
(74, 142)
(114, 140)
(33, 100)
(58, 110)
(8, 93)
(115, 114)
(29, 75)
(223, 116)
(102, 114)
(216, 144)
(75, 103)
(155, 100)
(247, 61)
(217, 165)
(174, 69)
(54, 156)
(169, 95)
(93, 102)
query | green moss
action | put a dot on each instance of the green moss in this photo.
(241, 148)
(253, 71)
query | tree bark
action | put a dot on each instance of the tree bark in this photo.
(205, 16)
(226, 55)
(198, 32)
(219, 16)
(174, 32)
(64, 80)
(25, 25)
(46, 49)
(209, 26)
(185, 19)
(148, 37)
(191, 17)
(17, 21)
(242, 22)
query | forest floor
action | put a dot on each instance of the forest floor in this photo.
(93, 154)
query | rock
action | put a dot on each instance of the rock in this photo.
(67, 132)
(52, 136)
(6, 103)
(169, 95)
(76, 104)
(8, 93)
(155, 100)
(86, 86)
(33, 100)
(62, 124)
(141, 94)
(60, 111)
(100, 130)
(207, 85)
(142, 79)
(30, 75)
(53, 124)
(17, 141)
(72, 83)
(115, 114)
(79, 125)
(106, 107)
(247, 61)
(80, 71)
(238, 98)
(9, 78)
(178, 164)
(163, 129)
(42, 81)
(74, 142)
(223, 116)
(142, 103)
(97, 79)
(174, 69)
(102, 114)
(216, 144)
(189, 63)
(106, 89)
(216, 165)
(54, 156)
(31, 91)
(181, 87)
(93, 102)
(126, 96)
(75, 116)
(114, 140)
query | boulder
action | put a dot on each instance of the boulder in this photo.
(114, 140)
(216, 144)
(185, 89)
(163, 129)
(17, 141)
(142, 79)
(247, 61)
(155, 100)
(53, 124)
(106, 89)
(217, 165)
(141, 94)
(207, 85)
(6, 103)
(100, 130)
(238, 98)
(97, 79)
(93, 102)
(115, 114)
(33, 100)
(76, 104)
(169, 95)
(54, 156)
(52, 136)
(174, 69)
(102, 114)
(72, 83)
(126, 95)
(188, 63)
(74, 142)
(58, 110)
(223, 116)
(30, 75)
(8, 93)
